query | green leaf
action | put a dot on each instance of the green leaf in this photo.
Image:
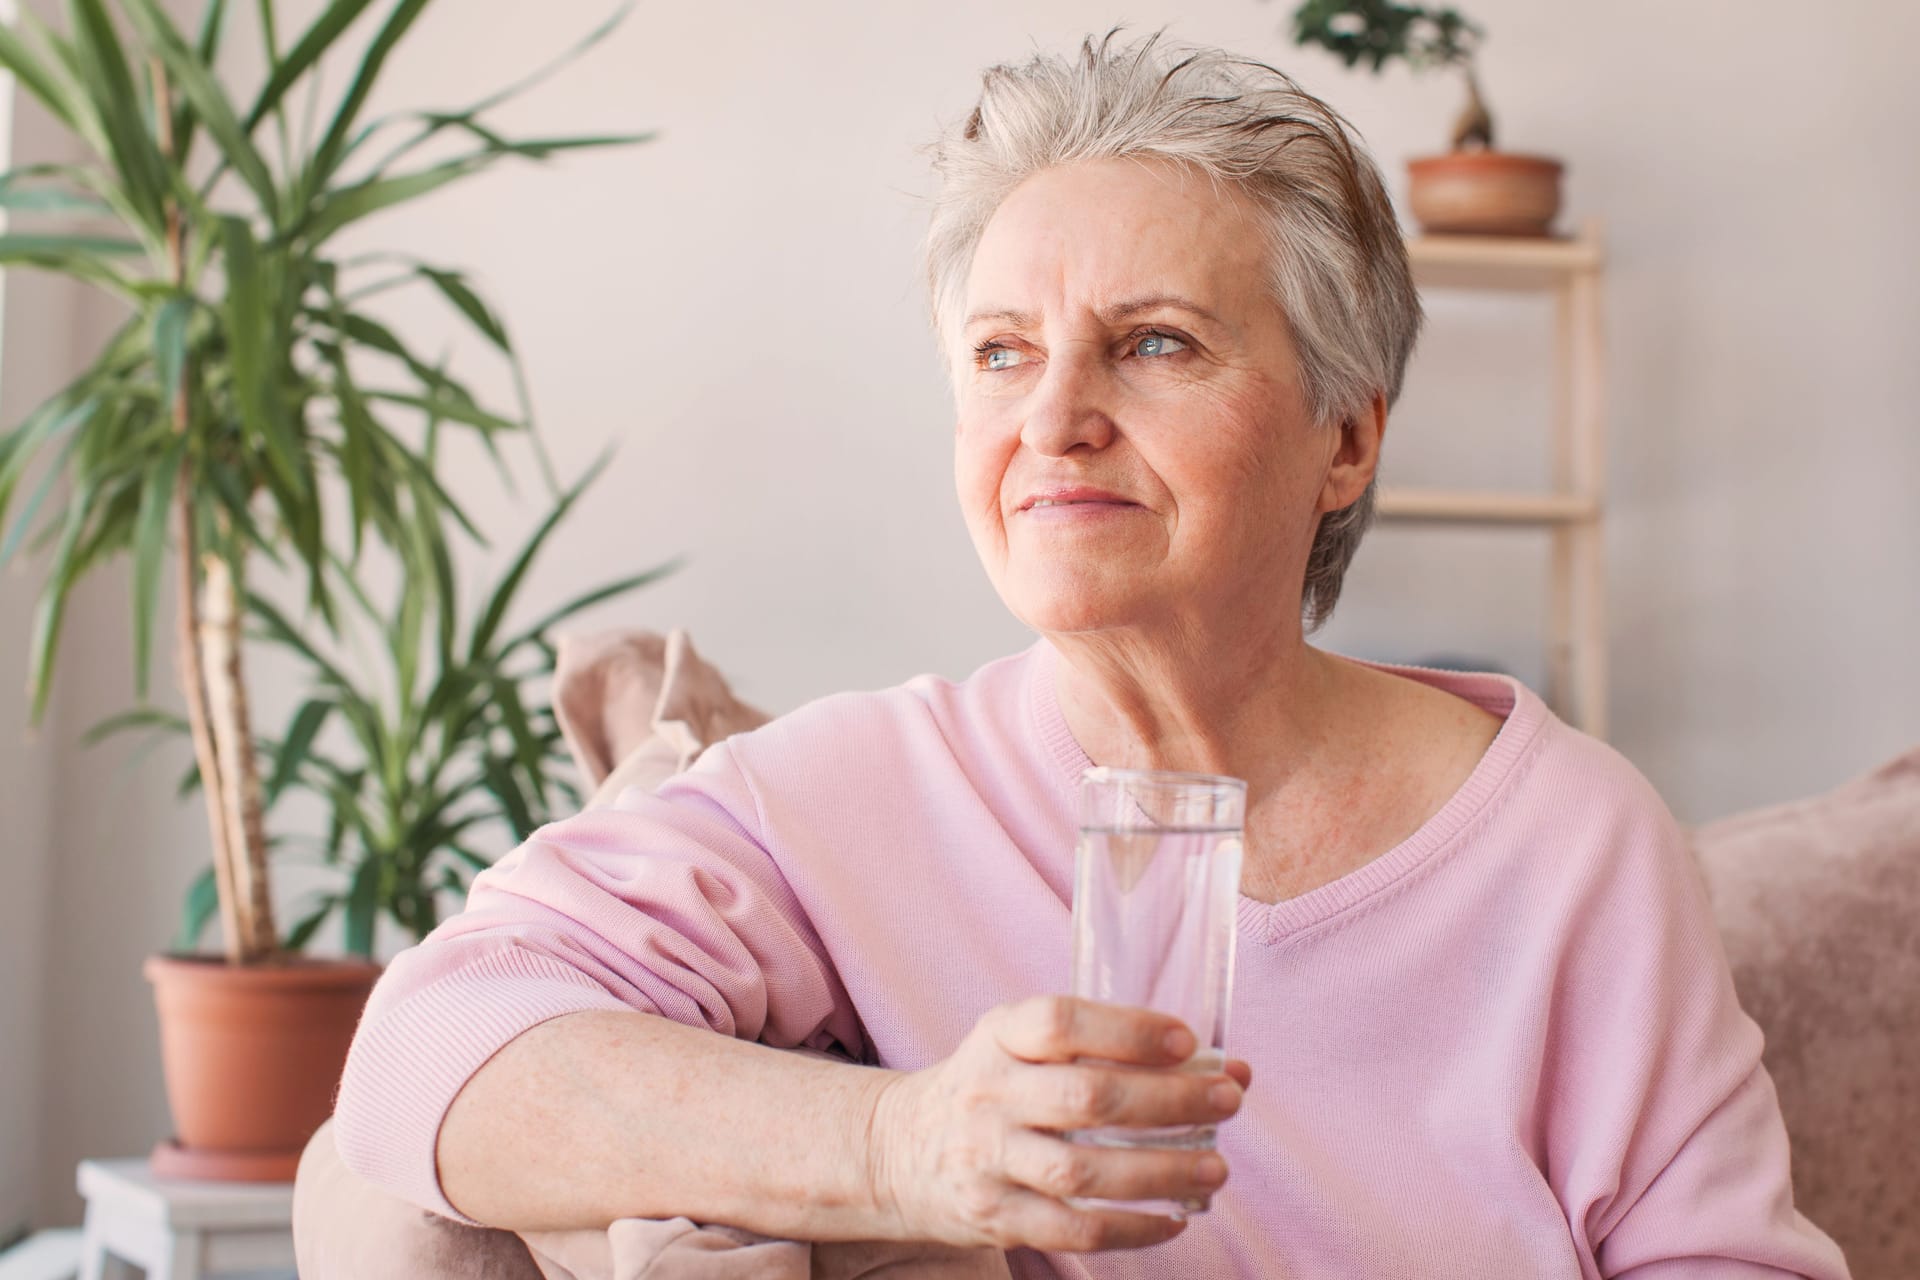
(279, 630)
(53, 249)
(138, 718)
(489, 621)
(15, 194)
(197, 82)
(65, 571)
(309, 924)
(254, 346)
(350, 204)
(305, 54)
(435, 122)
(499, 780)
(446, 592)
(403, 636)
(32, 74)
(589, 598)
(213, 21)
(293, 748)
(450, 880)
(328, 155)
(469, 857)
(526, 745)
(454, 287)
(203, 899)
(149, 545)
(170, 345)
(48, 479)
(443, 406)
(357, 433)
(402, 458)
(110, 84)
(571, 54)
(372, 335)
(362, 900)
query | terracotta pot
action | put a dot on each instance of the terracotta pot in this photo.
(252, 1056)
(1484, 193)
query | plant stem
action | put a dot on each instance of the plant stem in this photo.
(187, 624)
(239, 767)
(1475, 125)
(238, 844)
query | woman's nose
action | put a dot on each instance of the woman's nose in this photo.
(1069, 406)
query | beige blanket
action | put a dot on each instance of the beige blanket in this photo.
(678, 1249)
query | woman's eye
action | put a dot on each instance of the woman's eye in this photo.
(994, 358)
(1157, 344)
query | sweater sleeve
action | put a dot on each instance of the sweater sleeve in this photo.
(665, 903)
(1671, 1155)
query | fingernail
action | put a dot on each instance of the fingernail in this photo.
(1210, 1169)
(1225, 1096)
(1179, 1042)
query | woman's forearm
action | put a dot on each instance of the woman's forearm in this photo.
(599, 1115)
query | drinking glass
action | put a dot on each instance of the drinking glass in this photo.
(1155, 890)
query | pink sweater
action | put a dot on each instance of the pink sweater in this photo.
(1508, 1047)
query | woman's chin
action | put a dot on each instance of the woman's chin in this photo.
(1060, 608)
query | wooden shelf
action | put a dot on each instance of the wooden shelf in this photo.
(1503, 262)
(1573, 510)
(1457, 507)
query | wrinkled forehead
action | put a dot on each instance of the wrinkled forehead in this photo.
(1084, 240)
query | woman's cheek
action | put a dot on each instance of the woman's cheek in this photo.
(977, 474)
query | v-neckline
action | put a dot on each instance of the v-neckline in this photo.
(1523, 715)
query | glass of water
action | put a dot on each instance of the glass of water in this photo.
(1155, 891)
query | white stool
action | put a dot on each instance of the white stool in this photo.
(45, 1255)
(182, 1230)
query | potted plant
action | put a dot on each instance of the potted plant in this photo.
(249, 380)
(444, 752)
(1473, 189)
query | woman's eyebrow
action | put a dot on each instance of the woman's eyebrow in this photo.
(1018, 319)
(1150, 302)
(1111, 314)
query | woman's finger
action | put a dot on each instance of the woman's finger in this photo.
(1088, 1095)
(1042, 1222)
(1056, 1167)
(1062, 1028)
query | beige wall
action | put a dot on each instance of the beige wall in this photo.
(737, 305)
(41, 329)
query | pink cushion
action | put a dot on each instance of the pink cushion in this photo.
(1819, 905)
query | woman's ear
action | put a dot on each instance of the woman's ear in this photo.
(1356, 457)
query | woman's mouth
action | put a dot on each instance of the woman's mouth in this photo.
(1076, 501)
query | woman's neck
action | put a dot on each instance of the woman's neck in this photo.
(1251, 706)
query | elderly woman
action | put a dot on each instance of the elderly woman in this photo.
(1487, 1028)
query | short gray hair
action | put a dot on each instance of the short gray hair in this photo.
(1339, 266)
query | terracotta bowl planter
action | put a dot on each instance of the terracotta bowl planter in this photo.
(252, 1057)
(1484, 193)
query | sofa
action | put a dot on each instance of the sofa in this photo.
(1818, 902)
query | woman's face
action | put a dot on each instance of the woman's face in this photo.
(1122, 358)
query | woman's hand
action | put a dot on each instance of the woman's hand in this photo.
(968, 1151)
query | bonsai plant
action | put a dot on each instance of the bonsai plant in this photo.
(249, 380)
(1473, 188)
